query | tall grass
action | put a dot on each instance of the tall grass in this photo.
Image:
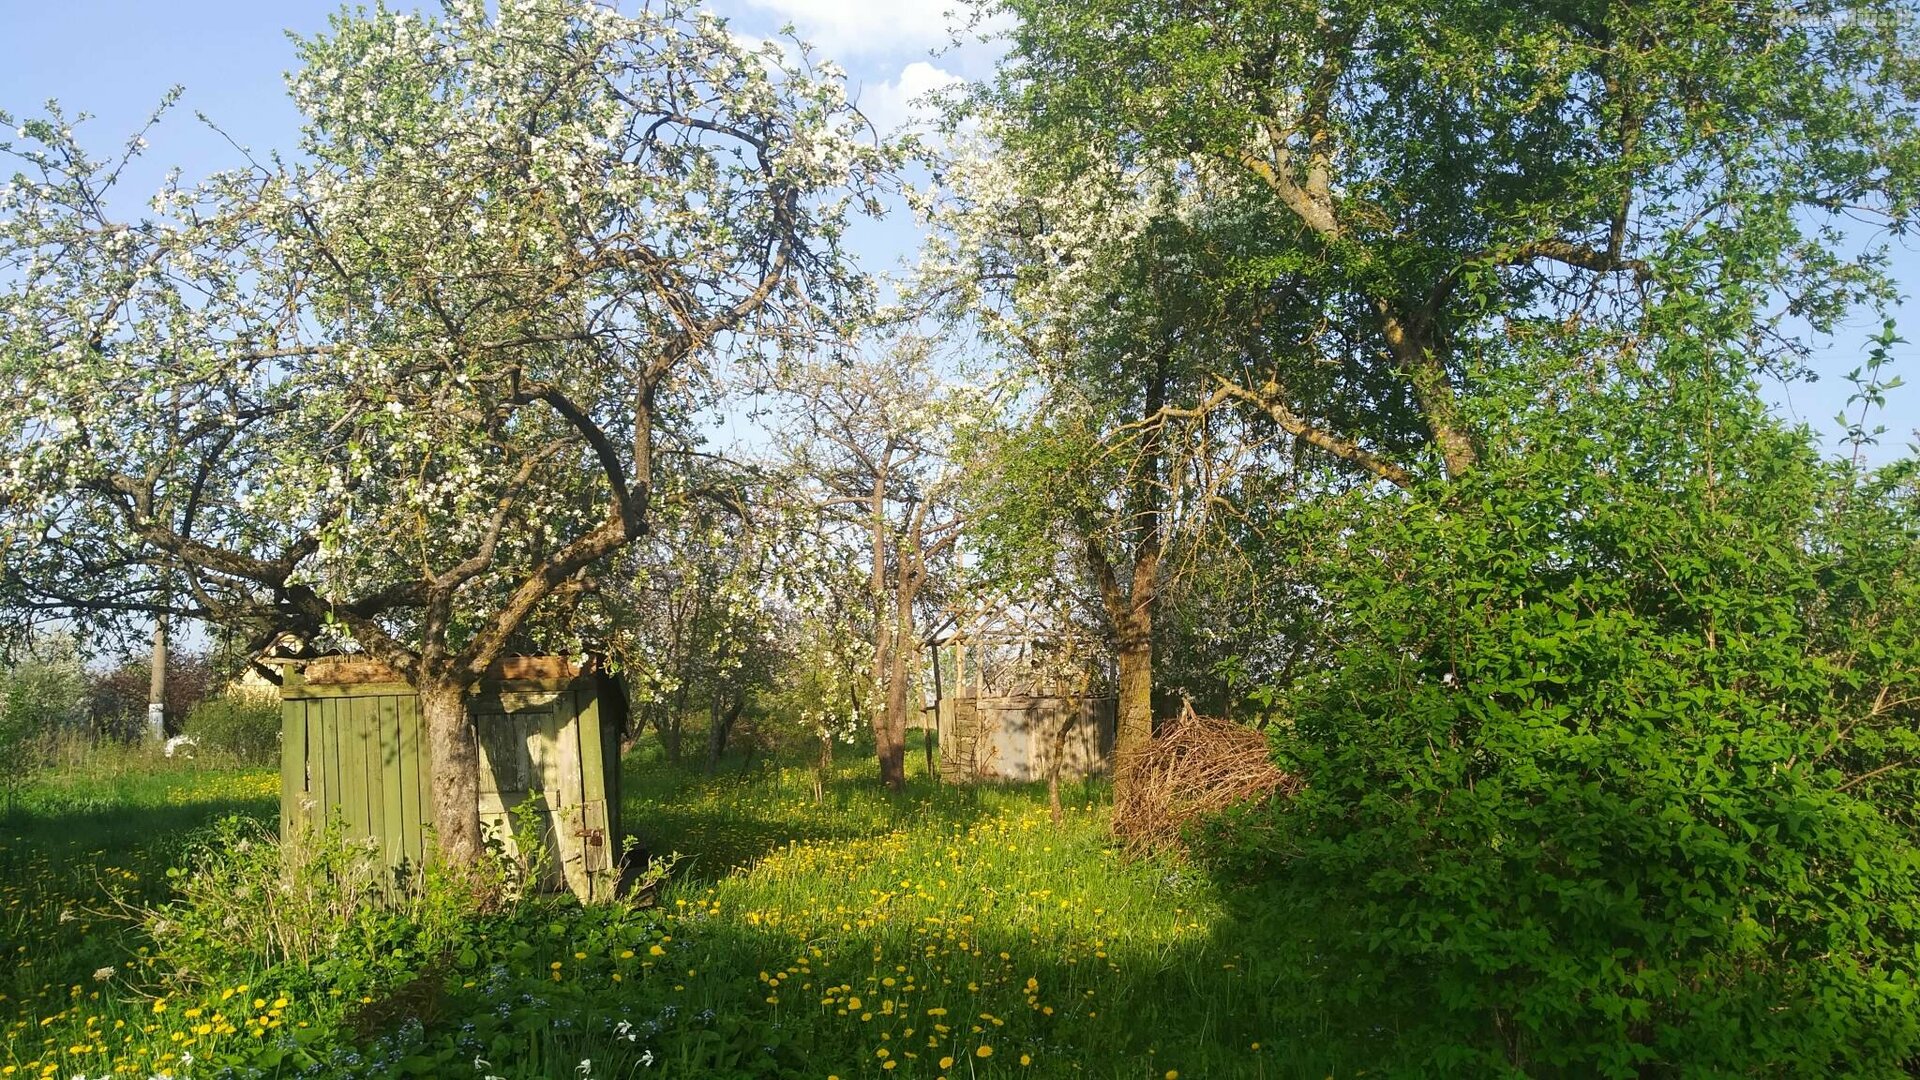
(938, 932)
(90, 835)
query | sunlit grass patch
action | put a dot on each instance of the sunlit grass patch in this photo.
(938, 932)
(79, 842)
(959, 931)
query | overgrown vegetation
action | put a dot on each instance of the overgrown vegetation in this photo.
(1610, 767)
(1387, 378)
(246, 727)
(959, 931)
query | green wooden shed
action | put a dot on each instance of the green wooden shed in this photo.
(548, 730)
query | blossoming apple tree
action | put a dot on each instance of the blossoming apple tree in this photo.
(405, 386)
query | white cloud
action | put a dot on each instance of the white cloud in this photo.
(755, 44)
(850, 27)
(902, 100)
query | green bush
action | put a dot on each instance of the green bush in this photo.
(247, 729)
(42, 698)
(412, 974)
(325, 904)
(1615, 766)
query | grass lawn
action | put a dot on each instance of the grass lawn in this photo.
(74, 845)
(941, 932)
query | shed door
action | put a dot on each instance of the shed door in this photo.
(529, 751)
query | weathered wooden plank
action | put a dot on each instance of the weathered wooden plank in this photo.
(510, 669)
(597, 837)
(553, 760)
(319, 769)
(353, 671)
(348, 671)
(293, 768)
(565, 733)
(332, 713)
(355, 762)
(610, 715)
(393, 807)
(597, 866)
(353, 772)
(568, 803)
(347, 690)
(412, 768)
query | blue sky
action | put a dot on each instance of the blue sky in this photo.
(115, 58)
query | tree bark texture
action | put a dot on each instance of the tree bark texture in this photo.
(1133, 712)
(455, 781)
(893, 763)
(720, 721)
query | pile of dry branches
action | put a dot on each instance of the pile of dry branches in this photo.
(1191, 768)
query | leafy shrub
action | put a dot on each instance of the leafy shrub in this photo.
(249, 729)
(324, 904)
(41, 697)
(118, 695)
(414, 975)
(1614, 768)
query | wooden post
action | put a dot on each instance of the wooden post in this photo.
(928, 733)
(959, 667)
(157, 682)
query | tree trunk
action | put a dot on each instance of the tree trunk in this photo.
(716, 738)
(886, 740)
(719, 727)
(670, 738)
(890, 744)
(1133, 713)
(1061, 727)
(893, 759)
(455, 770)
(1413, 346)
(1130, 612)
(637, 725)
(1131, 609)
(671, 721)
(823, 768)
(890, 728)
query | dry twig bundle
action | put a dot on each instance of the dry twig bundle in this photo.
(1191, 768)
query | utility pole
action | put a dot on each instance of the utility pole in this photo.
(157, 686)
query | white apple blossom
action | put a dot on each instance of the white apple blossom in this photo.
(409, 380)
